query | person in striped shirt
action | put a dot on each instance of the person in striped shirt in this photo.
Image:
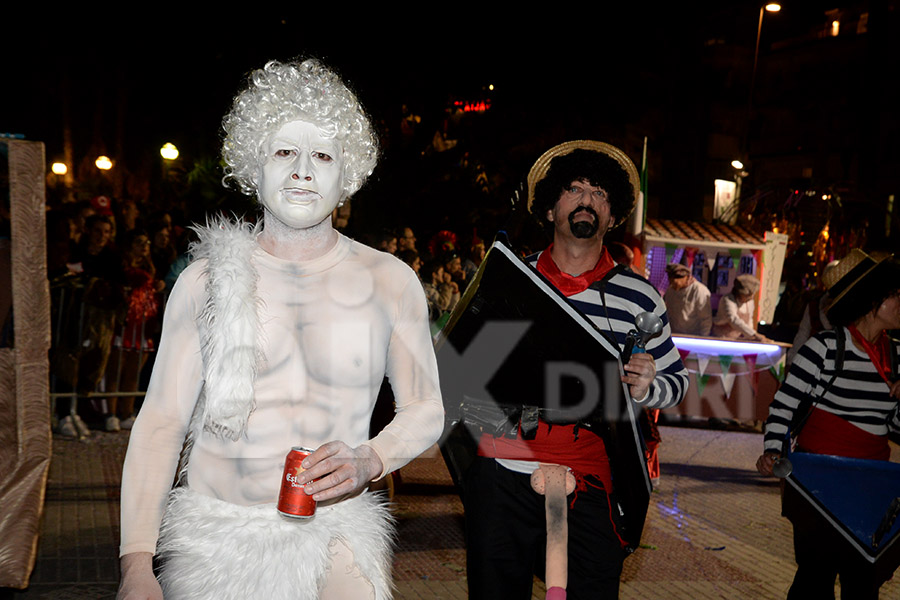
(851, 403)
(579, 190)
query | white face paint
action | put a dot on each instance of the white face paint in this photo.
(301, 179)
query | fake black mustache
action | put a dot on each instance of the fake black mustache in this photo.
(586, 209)
(584, 229)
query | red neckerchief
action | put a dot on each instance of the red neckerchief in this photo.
(879, 352)
(570, 285)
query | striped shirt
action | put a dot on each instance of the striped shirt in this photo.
(627, 295)
(859, 394)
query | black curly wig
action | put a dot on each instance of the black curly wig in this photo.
(598, 169)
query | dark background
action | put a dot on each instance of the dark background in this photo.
(824, 115)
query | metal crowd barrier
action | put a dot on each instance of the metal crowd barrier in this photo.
(71, 341)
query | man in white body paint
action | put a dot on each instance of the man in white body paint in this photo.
(277, 337)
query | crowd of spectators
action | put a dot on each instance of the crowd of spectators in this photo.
(112, 265)
(445, 265)
(108, 264)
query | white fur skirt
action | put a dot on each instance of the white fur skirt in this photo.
(214, 549)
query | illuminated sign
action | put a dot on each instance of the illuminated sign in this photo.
(477, 106)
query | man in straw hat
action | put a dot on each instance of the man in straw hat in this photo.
(579, 191)
(840, 398)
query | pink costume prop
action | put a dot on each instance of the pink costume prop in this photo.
(555, 482)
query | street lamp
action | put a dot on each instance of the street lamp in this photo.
(59, 168)
(771, 7)
(104, 163)
(169, 151)
(739, 174)
(728, 193)
(738, 165)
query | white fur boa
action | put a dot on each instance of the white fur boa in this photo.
(218, 550)
(230, 326)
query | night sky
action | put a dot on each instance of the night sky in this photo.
(175, 75)
(166, 76)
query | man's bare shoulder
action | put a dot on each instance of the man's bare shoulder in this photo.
(380, 261)
(191, 281)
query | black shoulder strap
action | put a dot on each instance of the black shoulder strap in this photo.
(838, 354)
(840, 342)
(894, 347)
(600, 286)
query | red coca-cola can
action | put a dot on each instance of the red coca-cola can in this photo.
(293, 501)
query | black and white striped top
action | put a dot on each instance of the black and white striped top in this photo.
(859, 394)
(627, 295)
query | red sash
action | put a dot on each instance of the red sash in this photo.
(827, 433)
(554, 444)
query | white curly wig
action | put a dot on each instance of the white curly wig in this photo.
(283, 92)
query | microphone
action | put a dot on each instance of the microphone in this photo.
(647, 325)
(782, 467)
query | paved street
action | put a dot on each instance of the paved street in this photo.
(713, 529)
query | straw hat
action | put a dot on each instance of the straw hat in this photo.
(849, 272)
(542, 165)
